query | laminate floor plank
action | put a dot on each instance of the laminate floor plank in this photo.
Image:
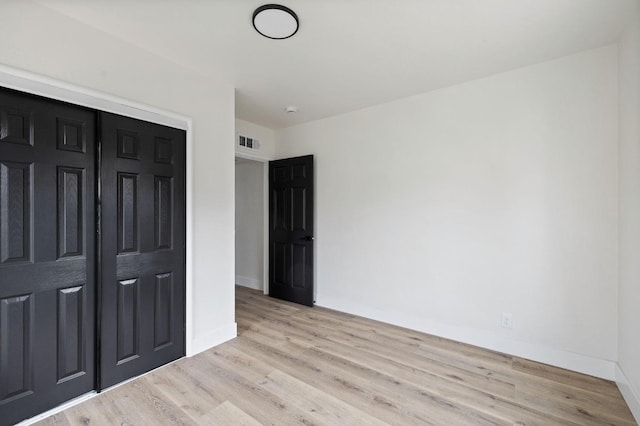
(349, 387)
(321, 407)
(249, 367)
(376, 394)
(227, 385)
(403, 397)
(483, 377)
(571, 402)
(228, 414)
(560, 375)
(184, 391)
(292, 364)
(423, 402)
(419, 385)
(330, 339)
(570, 410)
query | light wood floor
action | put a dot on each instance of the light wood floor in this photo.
(297, 365)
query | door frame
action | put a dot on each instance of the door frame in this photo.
(37, 84)
(265, 213)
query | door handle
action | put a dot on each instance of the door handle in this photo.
(308, 238)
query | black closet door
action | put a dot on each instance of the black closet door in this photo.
(143, 247)
(47, 252)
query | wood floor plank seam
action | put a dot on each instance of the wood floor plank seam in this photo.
(295, 365)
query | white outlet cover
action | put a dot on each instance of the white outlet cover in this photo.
(506, 320)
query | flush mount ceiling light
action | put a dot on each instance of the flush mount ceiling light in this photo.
(275, 21)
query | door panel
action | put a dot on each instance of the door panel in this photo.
(71, 345)
(128, 312)
(143, 242)
(291, 229)
(163, 222)
(70, 232)
(15, 218)
(47, 251)
(127, 211)
(17, 347)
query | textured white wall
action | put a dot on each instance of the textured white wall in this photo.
(629, 326)
(442, 210)
(41, 41)
(249, 223)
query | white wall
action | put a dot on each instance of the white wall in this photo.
(36, 39)
(265, 135)
(629, 315)
(440, 211)
(249, 224)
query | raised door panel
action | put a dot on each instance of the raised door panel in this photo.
(163, 311)
(298, 209)
(16, 347)
(163, 152)
(128, 144)
(71, 333)
(128, 317)
(162, 214)
(298, 265)
(71, 134)
(70, 212)
(280, 211)
(16, 126)
(15, 211)
(280, 175)
(127, 212)
(279, 270)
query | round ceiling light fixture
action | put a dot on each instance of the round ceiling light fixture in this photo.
(275, 21)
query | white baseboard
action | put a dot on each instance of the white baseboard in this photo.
(630, 395)
(482, 338)
(249, 282)
(213, 338)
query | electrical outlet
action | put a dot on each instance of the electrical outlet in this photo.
(506, 320)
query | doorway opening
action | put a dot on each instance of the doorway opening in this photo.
(251, 238)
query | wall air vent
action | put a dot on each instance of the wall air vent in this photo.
(248, 142)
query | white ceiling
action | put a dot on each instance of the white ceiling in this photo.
(350, 54)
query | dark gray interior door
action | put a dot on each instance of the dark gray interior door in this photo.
(291, 229)
(47, 252)
(143, 247)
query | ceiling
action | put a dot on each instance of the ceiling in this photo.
(350, 54)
